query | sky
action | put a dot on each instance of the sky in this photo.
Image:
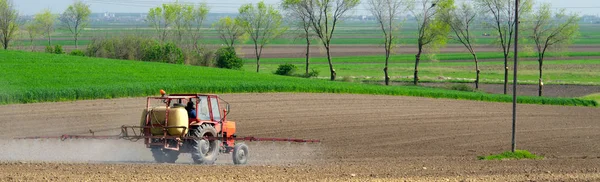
(30, 7)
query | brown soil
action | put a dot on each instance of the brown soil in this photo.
(365, 137)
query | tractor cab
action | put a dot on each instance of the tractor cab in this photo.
(206, 107)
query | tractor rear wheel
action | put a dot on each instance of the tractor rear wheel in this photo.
(204, 148)
(240, 154)
(158, 154)
(171, 155)
(164, 155)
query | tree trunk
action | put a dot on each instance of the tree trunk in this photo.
(385, 69)
(418, 58)
(541, 83)
(164, 36)
(258, 64)
(477, 71)
(49, 39)
(505, 73)
(196, 43)
(5, 43)
(76, 47)
(333, 74)
(307, 52)
(257, 57)
(31, 43)
(387, 77)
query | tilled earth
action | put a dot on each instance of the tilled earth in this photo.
(364, 137)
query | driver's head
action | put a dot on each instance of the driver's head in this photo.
(190, 104)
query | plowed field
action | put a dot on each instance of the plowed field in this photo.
(364, 137)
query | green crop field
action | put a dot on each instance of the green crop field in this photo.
(353, 32)
(39, 77)
(595, 97)
(446, 67)
(584, 72)
(410, 58)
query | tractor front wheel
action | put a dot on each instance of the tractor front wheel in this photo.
(240, 154)
(204, 147)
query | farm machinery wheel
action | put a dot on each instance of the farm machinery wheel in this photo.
(158, 154)
(164, 155)
(203, 150)
(240, 154)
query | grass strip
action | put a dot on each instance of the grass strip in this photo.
(595, 97)
(38, 77)
(509, 155)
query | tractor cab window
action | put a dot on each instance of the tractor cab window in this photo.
(203, 113)
(215, 109)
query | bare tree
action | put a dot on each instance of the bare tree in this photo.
(552, 31)
(196, 15)
(230, 31)
(45, 21)
(386, 12)
(33, 30)
(324, 16)
(461, 20)
(182, 22)
(501, 15)
(300, 18)
(162, 17)
(432, 30)
(262, 23)
(75, 18)
(8, 22)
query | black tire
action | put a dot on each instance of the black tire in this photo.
(164, 155)
(158, 154)
(171, 155)
(240, 154)
(204, 151)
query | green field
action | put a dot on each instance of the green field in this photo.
(410, 58)
(38, 77)
(583, 72)
(595, 97)
(354, 32)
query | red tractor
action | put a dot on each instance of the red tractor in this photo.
(189, 123)
(185, 123)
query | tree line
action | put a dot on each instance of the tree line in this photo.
(261, 23)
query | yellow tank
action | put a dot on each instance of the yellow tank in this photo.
(177, 117)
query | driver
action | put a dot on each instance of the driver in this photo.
(190, 109)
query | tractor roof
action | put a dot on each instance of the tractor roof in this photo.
(182, 96)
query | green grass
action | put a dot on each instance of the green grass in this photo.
(410, 58)
(595, 97)
(38, 77)
(351, 32)
(292, 41)
(584, 72)
(518, 154)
